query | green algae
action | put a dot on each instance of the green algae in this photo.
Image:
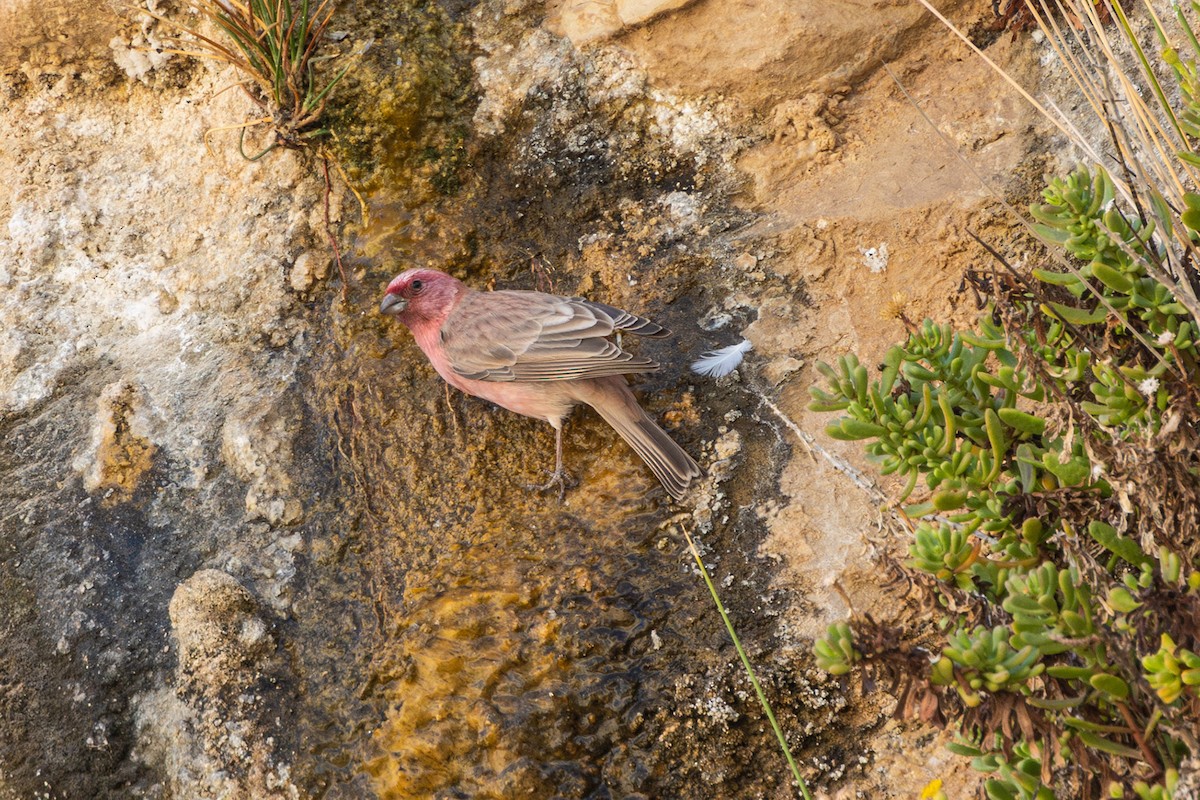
(402, 115)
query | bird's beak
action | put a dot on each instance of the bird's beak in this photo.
(392, 304)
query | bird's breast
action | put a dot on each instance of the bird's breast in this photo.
(547, 400)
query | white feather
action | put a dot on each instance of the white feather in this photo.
(719, 363)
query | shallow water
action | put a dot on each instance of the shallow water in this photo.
(468, 637)
(528, 665)
(511, 645)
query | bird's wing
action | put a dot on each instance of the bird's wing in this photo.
(530, 336)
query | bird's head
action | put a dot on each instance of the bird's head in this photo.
(420, 294)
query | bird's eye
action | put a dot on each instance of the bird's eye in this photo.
(417, 286)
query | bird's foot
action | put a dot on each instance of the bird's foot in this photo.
(560, 478)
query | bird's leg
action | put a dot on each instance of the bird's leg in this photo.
(450, 409)
(560, 477)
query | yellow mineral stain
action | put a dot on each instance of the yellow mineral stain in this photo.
(122, 457)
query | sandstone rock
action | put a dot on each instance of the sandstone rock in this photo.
(49, 33)
(745, 262)
(588, 21)
(222, 639)
(633, 12)
(779, 370)
(310, 267)
(805, 125)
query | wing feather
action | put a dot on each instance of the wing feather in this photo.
(629, 323)
(530, 336)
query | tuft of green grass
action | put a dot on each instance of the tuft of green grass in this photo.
(273, 43)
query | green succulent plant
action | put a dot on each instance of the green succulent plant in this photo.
(835, 651)
(1048, 607)
(974, 423)
(1017, 775)
(947, 552)
(1172, 670)
(1061, 463)
(1158, 791)
(985, 659)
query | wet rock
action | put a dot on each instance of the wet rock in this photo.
(18, 386)
(257, 444)
(143, 300)
(213, 736)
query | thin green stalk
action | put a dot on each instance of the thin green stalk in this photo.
(762, 697)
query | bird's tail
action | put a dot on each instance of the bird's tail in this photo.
(673, 467)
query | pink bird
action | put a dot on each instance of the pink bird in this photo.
(539, 355)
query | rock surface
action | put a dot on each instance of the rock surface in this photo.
(252, 548)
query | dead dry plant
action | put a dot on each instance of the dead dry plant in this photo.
(1152, 132)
